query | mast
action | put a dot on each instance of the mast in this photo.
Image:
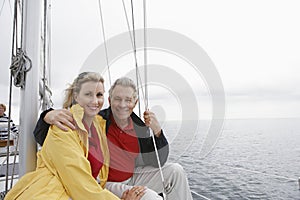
(29, 94)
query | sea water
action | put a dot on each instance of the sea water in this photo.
(252, 159)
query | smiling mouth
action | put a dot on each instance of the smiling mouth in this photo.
(93, 107)
(123, 111)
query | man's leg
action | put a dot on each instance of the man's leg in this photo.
(175, 180)
(119, 188)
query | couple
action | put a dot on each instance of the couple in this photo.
(72, 163)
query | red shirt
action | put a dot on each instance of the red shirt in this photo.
(95, 155)
(124, 148)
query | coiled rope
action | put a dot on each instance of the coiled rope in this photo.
(20, 62)
(19, 66)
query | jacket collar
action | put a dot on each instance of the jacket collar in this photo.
(106, 113)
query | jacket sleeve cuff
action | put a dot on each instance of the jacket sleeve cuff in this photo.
(43, 114)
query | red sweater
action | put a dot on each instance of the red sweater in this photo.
(95, 155)
(124, 148)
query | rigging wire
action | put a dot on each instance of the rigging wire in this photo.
(127, 22)
(44, 56)
(146, 96)
(131, 39)
(18, 70)
(9, 6)
(2, 7)
(200, 195)
(8, 136)
(14, 41)
(104, 40)
(20, 60)
(147, 100)
(45, 91)
(48, 17)
(138, 76)
(132, 44)
(135, 56)
(14, 162)
(145, 55)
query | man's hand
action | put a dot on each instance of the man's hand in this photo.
(62, 118)
(152, 122)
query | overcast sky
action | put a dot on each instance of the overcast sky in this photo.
(254, 45)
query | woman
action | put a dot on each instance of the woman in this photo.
(73, 164)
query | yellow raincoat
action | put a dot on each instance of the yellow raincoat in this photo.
(63, 170)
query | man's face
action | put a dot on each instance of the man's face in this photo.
(122, 102)
(1, 111)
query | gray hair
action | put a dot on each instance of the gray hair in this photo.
(125, 82)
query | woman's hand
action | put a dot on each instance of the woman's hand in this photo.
(134, 193)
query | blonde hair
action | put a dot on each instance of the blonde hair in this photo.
(75, 87)
(125, 82)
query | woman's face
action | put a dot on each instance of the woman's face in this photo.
(91, 98)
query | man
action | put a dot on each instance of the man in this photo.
(132, 156)
(4, 125)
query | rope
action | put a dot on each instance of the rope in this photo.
(2, 195)
(135, 57)
(45, 91)
(2, 7)
(8, 135)
(145, 55)
(147, 100)
(159, 164)
(128, 26)
(203, 197)
(133, 47)
(18, 67)
(138, 76)
(19, 60)
(18, 70)
(15, 160)
(14, 39)
(44, 52)
(44, 55)
(105, 46)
